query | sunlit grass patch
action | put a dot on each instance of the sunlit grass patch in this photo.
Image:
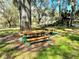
(64, 48)
(8, 31)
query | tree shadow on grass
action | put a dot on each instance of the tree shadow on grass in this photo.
(74, 37)
(13, 52)
(10, 53)
(4, 44)
(57, 52)
(7, 51)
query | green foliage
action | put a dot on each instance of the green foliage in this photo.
(9, 15)
(15, 2)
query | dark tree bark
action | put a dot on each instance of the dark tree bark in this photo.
(25, 14)
(72, 13)
(30, 19)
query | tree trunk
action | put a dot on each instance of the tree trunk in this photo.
(25, 15)
(72, 13)
(30, 21)
(39, 18)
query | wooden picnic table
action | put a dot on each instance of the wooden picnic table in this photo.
(37, 40)
(34, 37)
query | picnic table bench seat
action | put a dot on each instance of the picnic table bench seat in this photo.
(35, 40)
(38, 38)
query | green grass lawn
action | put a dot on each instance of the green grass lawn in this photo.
(8, 31)
(65, 47)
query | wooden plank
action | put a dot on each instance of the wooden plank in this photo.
(39, 38)
(35, 40)
(33, 33)
(41, 41)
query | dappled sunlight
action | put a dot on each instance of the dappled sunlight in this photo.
(65, 46)
(39, 29)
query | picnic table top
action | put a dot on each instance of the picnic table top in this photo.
(34, 32)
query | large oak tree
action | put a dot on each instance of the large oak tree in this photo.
(24, 7)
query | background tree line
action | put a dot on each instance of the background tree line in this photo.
(22, 13)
